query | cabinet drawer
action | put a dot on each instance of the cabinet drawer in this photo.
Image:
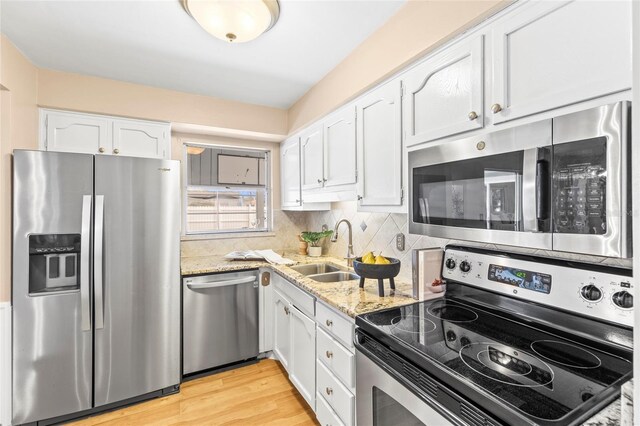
(299, 298)
(336, 394)
(337, 358)
(336, 324)
(325, 414)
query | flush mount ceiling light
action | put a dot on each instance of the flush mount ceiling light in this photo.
(195, 150)
(235, 21)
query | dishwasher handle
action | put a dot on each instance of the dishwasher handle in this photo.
(224, 283)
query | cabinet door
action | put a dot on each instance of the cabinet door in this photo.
(380, 147)
(69, 132)
(290, 173)
(551, 54)
(340, 148)
(303, 354)
(312, 161)
(139, 139)
(443, 96)
(266, 312)
(281, 330)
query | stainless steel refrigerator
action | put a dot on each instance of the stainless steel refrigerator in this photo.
(96, 281)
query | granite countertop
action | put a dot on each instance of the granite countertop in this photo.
(345, 296)
(612, 414)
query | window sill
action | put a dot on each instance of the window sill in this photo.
(197, 237)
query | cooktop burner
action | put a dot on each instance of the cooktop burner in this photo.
(566, 354)
(451, 312)
(538, 374)
(411, 324)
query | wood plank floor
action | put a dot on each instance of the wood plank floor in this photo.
(258, 394)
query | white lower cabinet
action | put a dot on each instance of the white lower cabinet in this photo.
(314, 343)
(302, 360)
(281, 329)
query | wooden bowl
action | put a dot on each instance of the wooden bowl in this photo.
(375, 271)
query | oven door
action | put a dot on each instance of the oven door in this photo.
(591, 197)
(493, 188)
(384, 401)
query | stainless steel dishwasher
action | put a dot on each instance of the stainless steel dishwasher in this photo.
(219, 319)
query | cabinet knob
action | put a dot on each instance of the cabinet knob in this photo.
(329, 323)
(286, 310)
(298, 201)
(329, 354)
(359, 197)
(101, 149)
(319, 180)
(496, 108)
(324, 180)
(116, 151)
(328, 390)
(473, 115)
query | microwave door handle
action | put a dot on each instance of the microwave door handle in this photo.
(543, 185)
(529, 195)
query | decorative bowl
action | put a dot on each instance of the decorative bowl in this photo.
(377, 271)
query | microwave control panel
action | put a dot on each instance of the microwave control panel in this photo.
(596, 294)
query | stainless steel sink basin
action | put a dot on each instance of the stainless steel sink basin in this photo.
(334, 277)
(316, 268)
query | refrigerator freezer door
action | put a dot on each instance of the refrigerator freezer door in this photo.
(52, 354)
(138, 349)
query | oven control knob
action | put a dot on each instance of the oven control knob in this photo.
(591, 293)
(450, 263)
(465, 266)
(464, 341)
(623, 299)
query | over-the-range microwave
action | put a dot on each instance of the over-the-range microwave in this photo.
(557, 184)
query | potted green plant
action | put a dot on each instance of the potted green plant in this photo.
(313, 239)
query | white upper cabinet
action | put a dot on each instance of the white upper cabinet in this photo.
(290, 173)
(97, 134)
(379, 138)
(312, 158)
(139, 139)
(443, 95)
(340, 148)
(70, 132)
(551, 54)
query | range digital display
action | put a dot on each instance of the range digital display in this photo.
(535, 281)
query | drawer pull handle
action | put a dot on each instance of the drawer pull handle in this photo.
(329, 323)
(329, 354)
(329, 391)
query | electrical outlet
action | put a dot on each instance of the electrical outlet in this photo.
(400, 241)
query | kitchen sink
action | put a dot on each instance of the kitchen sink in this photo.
(316, 268)
(334, 277)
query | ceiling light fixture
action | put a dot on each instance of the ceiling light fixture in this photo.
(195, 150)
(235, 21)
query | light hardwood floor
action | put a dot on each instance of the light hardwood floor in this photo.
(258, 394)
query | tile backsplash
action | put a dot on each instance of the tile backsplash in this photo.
(371, 232)
(380, 230)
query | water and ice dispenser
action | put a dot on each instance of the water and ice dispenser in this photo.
(54, 263)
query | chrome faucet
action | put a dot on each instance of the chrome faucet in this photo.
(334, 238)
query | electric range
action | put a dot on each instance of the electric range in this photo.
(515, 340)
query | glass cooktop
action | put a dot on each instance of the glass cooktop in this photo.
(537, 373)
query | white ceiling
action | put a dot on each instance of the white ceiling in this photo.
(157, 43)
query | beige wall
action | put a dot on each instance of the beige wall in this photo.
(18, 129)
(417, 28)
(103, 96)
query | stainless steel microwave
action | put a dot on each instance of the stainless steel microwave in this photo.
(557, 184)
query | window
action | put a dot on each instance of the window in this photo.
(226, 190)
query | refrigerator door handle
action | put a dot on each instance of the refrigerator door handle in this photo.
(223, 283)
(98, 262)
(85, 256)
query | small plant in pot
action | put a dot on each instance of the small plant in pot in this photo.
(314, 239)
